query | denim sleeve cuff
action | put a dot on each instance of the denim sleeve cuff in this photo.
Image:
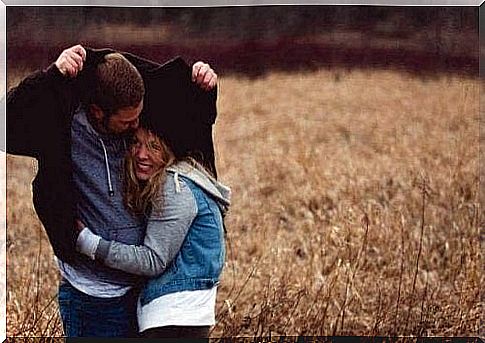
(87, 242)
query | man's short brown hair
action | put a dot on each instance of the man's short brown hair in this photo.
(118, 84)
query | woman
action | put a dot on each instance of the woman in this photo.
(183, 250)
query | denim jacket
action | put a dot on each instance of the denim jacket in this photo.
(199, 262)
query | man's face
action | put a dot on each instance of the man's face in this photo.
(124, 121)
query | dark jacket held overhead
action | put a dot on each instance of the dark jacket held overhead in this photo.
(39, 116)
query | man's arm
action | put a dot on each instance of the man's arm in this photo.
(203, 113)
(166, 231)
(35, 107)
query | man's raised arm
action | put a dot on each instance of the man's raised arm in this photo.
(35, 106)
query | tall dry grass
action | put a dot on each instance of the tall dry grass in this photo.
(355, 210)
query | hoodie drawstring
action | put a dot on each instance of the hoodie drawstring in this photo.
(110, 186)
(177, 183)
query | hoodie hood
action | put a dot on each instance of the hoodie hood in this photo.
(197, 174)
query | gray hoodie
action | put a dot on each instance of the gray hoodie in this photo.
(97, 170)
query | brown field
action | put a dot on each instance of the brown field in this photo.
(355, 209)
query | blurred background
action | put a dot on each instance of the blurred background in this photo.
(254, 40)
(350, 138)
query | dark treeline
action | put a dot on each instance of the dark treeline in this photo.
(248, 22)
(420, 38)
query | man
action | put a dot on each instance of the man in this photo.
(75, 118)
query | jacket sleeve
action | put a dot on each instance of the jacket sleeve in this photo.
(204, 113)
(204, 109)
(166, 231)
(36, 109)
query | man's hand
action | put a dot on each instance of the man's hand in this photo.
(204, 76)
(70, 61)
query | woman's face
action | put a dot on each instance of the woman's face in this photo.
(147, 154)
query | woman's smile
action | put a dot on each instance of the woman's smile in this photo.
(143, 169)
(147, 154)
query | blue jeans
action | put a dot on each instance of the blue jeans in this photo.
(86, 316)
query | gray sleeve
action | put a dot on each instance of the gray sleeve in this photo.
(165, 233)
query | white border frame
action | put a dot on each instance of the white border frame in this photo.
(163, 3)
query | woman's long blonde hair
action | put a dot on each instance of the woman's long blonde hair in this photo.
(139, 196)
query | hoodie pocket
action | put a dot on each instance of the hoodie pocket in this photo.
(128, 234)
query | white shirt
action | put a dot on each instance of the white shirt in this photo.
(87, 241)
(188, 308)
(87, 285)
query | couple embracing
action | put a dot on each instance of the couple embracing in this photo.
(126, 189)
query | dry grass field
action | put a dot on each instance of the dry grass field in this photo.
(355, 209)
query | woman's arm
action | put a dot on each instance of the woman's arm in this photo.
(166, 231)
